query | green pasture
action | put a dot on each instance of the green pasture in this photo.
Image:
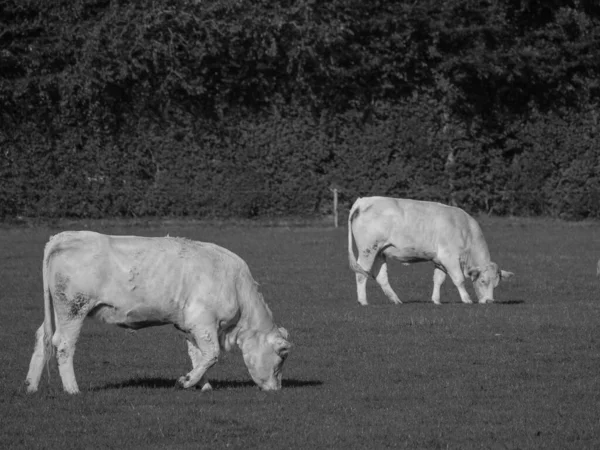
(520, 373)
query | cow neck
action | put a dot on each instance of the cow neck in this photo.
(256, 315)
(479, 254)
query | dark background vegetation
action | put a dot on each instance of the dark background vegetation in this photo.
(253, 108)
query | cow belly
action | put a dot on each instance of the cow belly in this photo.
(134, 318)
(408, 255)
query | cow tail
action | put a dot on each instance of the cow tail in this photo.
(354, 211)
(48, 309)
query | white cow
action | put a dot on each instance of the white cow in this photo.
(415, 231)
(134, 282)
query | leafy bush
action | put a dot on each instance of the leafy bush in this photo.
(221, 107)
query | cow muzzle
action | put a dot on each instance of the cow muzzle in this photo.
(274, 385)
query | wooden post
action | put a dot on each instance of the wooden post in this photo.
(335, 207)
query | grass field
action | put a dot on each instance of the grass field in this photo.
(521, 373)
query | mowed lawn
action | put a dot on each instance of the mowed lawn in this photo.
(521, 373)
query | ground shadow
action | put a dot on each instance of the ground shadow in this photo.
(169, 383)
(300, 383)
(430, 303)
(509, 302)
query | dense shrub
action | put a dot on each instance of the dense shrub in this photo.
(220, 107)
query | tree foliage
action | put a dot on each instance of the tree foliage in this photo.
(177, 107)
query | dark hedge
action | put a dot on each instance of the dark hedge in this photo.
(229, 108)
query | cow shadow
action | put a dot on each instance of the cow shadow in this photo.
(428, 303)
(509, 302)
(169, 383)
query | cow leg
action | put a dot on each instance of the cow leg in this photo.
(380, 268)
(365, 260)
(361, 288)
(64, 339)
(204, 355)
(458, 278)
(196, 357)
(36, 366)
(439, 276)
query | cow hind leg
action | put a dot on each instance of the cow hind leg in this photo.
(38, 360)
(380, 268)
(64, 339)
(439, 276)
(365, 260)
(361, 288)
(204, 353)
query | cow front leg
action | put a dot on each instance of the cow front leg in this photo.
(204, 353)
(196, 357)
(380, 267)
(439, 276)
(458, 279)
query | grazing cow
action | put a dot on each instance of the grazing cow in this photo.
(134, 282)
(414, 231)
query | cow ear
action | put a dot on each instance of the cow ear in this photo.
(283, 332)
(473, 273)
(282, 347)
(505, 274)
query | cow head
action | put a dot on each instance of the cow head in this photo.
(264, 354)
(485, 279)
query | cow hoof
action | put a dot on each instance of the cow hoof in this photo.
(206, 387)
(180, 383)
(72, 391)
(29, 387)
